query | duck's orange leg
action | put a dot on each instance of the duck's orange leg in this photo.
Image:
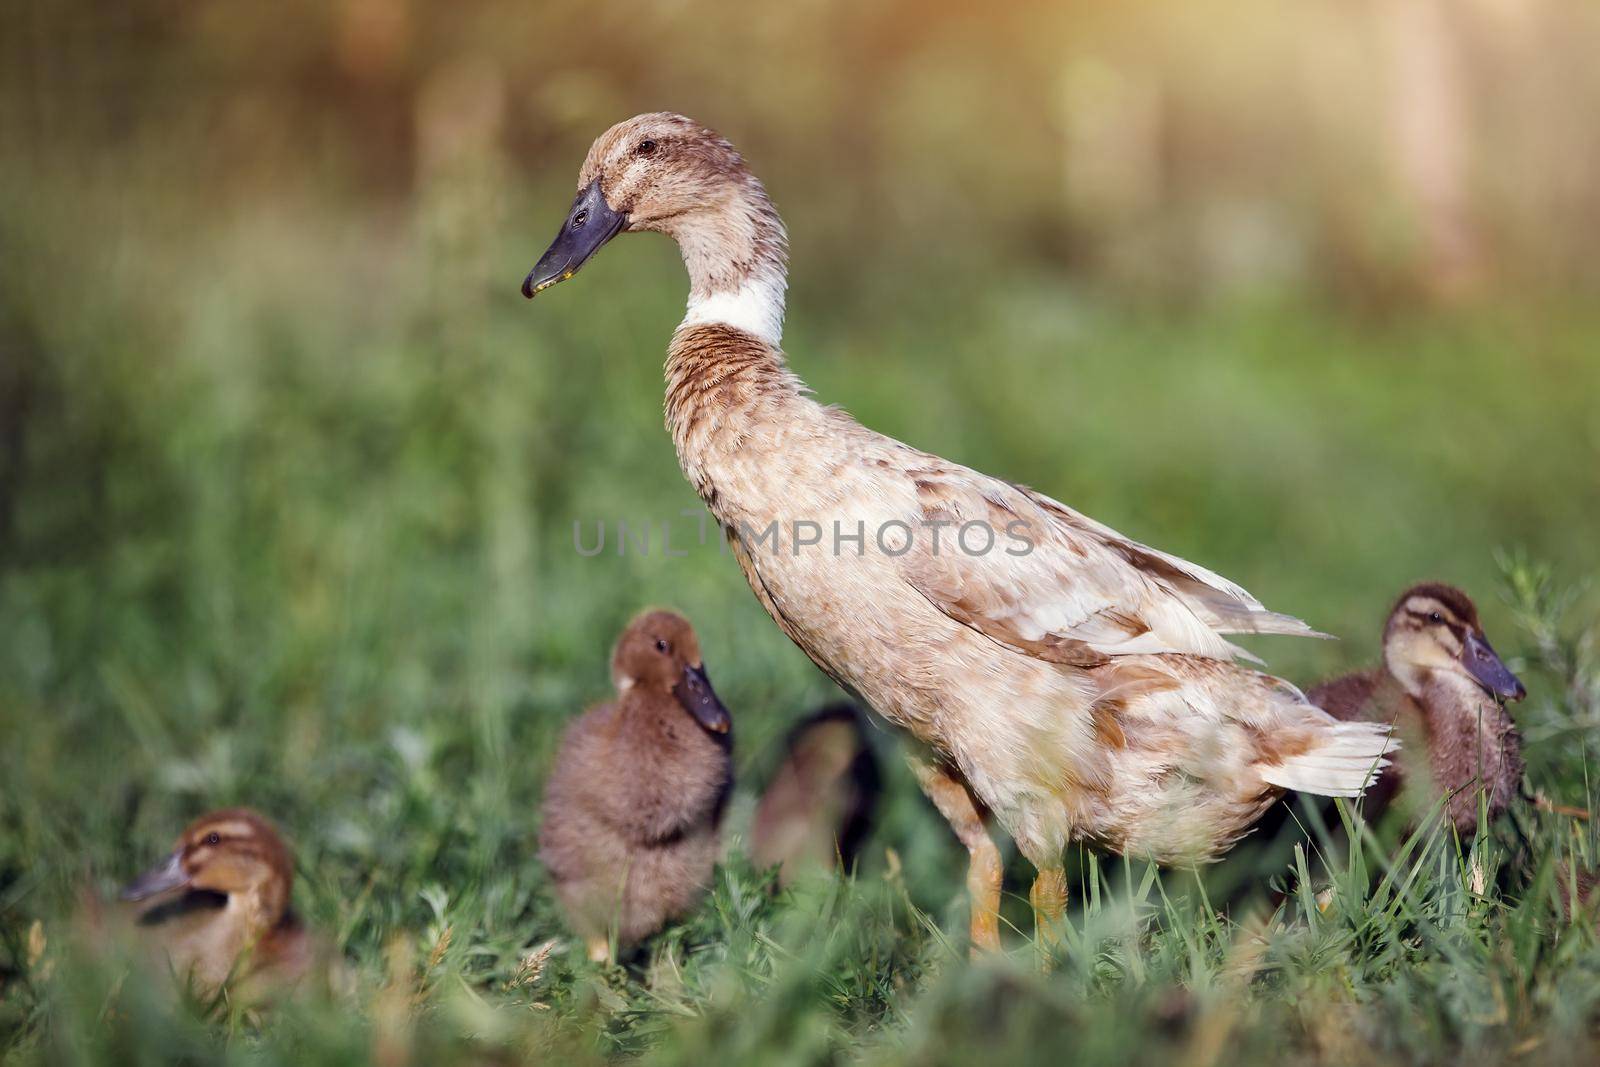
(1049, 899)
(964, 813)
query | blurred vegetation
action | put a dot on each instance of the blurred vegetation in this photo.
(289, 472)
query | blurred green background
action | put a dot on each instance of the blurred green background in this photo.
(289, 470)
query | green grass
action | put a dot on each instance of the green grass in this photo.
(291, 527)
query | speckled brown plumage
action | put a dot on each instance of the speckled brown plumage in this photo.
(1080, 689)
(633, 809)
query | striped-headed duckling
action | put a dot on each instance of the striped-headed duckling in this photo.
(217, 907)
(1444, 688)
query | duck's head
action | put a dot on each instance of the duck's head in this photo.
(658, 654)
(669, 174)
(1434, 629)
(230, 852)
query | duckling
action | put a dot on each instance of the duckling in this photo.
(1445, 688)
(1070, 681)
(217, 908)
(818, 808)
(633, 809)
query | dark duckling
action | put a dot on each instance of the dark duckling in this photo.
(633, 809)
(819, 805)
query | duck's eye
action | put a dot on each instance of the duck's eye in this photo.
(646, 147)
(580, 218)
(1434, 616)
(661, 645)
(213, 838)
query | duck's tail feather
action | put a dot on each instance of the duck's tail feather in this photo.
(1347, 761)
(1266, 622)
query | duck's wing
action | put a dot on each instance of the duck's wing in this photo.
(1058, 585)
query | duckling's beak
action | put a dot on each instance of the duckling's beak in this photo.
(694, 692)
(590, 224)
(1485, 666)
(170, 875)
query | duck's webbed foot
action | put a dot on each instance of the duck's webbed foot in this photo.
(964, 812)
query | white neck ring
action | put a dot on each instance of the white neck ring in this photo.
(756, 307)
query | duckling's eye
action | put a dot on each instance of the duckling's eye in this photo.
(646, 147)
(213, 838)
(661, 645)
(1434, 616)
(580, 218)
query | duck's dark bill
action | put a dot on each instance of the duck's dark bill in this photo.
(694, 692)
(590, 224)
(1484, 665)
(170, 875)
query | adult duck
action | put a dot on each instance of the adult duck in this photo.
(1073, 682)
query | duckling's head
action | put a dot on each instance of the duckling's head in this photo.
(659, 655)
(1434, 629)
(669, 174)
(230, 852)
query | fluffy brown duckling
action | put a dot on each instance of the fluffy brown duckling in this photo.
(633, 809)
(1445, 689)
(818, 808)
(218, 908)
